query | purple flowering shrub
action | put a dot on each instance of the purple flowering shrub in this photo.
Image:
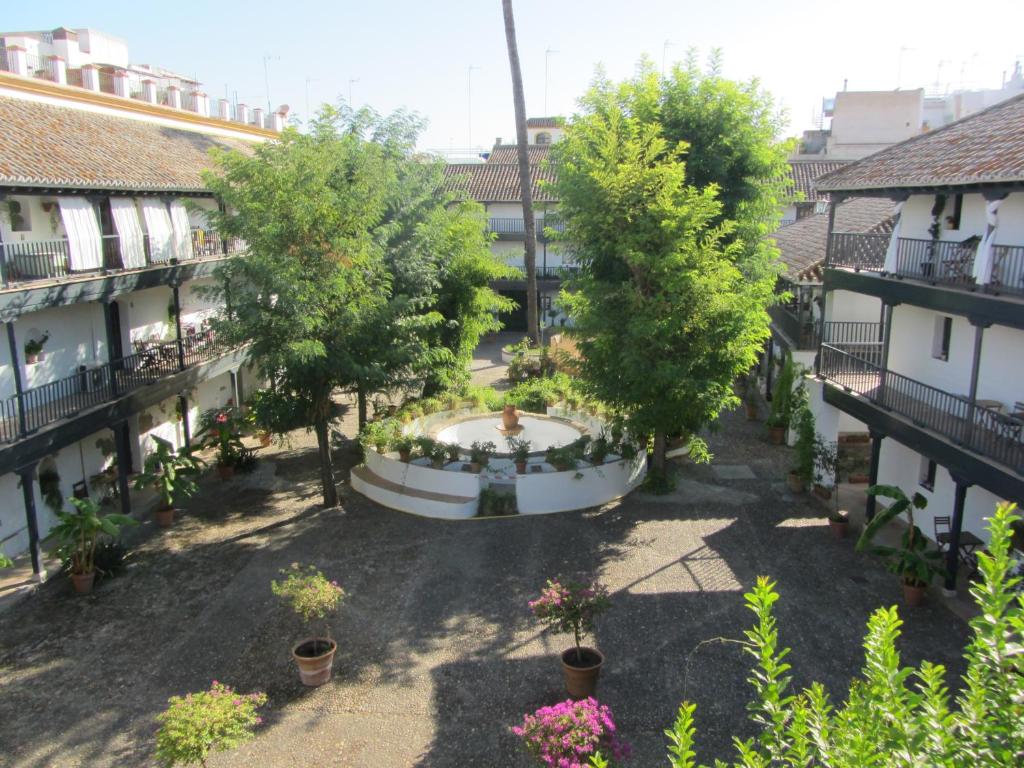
(571, 608)
(569, 734)
(197, 724)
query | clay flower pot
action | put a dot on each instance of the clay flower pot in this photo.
(315, 657)
(265, 439)
(913, 594)
(82, 582)
(751, 411)
(839, 526)
(521, 467)
(581, 677)
(776, 435)
(475, 467)
(405, 456)
(795, 483)
(164, 516)
(509, 417)
(822, 492)
(225, 471)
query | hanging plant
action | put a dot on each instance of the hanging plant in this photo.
(49, 486)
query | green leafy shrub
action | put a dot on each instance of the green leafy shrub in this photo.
(494, 503)
(170, 473)
(78, 531)
(197, 724)
(308, 592)
(912, 560)
(893, 715)
(379, 434)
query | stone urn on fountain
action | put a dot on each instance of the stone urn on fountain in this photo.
(510, 420)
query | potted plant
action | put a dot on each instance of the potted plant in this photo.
(221, 432)
(520, 450)
(451, 451)
(562, 459)
(572, 608)
(480, 455)
(802, 474)
(404, 444)
(76, 534)
(599, 449)
(170, 475)
(437, 455)
(751, 396)
(378, 434)
(570, 733)
(912, 561)
(34, 348)
(426, 446)
(781, 408)
(307, 591)
(197, 724)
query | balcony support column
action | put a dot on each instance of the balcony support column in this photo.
(887, 308)
(123, 453)
(979, 334)
(876, 454)
(185, 429)
(176, 297)
(19, 386)
(112, 332)
(820, 330)
(27, 476)
(956, 526)
(770, 357)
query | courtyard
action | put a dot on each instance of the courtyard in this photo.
(438, 654)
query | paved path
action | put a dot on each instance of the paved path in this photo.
(438, 655)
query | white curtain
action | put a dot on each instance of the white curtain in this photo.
(983, 260)
(894, 242)
(129, 229)
(85, 246)
(182, 231)
(158, 226)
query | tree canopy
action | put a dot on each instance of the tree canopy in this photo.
(353, 257)
(675, 277)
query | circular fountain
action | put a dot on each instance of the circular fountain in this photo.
(542, 432)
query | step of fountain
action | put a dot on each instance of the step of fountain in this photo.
(406, 499)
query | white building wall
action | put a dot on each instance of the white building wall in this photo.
(77, 337)
(145, 315)
(848, 306)
(1001, 369)
(911, 346)
(900, 466)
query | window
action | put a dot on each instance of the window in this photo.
(940, 342)
(953, 220)
(18, 214)
(927, 474)
(544, 138)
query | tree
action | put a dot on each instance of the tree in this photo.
(525, 182)
(306, 205)
(664, 315)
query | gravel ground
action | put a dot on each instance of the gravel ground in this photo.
(438, 655)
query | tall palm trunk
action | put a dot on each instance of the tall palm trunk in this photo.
(524, 174)
(323, 443)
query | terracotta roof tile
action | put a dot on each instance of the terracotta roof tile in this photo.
(984, 148)
(509, 153)
(803, 174)
(496, 182)
(545, 122)
(802, 244)
(45, 145)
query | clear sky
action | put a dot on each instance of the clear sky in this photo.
(417, 55)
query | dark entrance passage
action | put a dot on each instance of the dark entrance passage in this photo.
(516, 319)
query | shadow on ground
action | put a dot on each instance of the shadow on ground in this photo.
(438, 655)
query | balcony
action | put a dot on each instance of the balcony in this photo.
(515, 229)
(26, 262)
(985, 431)
(549, 273)
(39, 406)
(938, 262)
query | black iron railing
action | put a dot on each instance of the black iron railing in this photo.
(30, 261)
(860, 339)
(517, 227)
(550, 273)
(937, 261)
(985, 431)
(90, 387)
(858, 251)
(1007, 269)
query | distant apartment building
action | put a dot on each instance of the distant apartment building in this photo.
(939, 382)
(98, 62)
(865, 122)
(104, 254)
(495, 184)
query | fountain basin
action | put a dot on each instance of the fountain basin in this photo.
(543, 432)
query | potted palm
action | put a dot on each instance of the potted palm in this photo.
(912, 561)
(571, 608)
(802, 474)
(222, 433)
(77, 533)
(170, 475)
(451, 451)
(781, 405)
(520, 450)
(404, 445)
(599, 449)
(308, 592)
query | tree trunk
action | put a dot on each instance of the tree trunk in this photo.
(658, 455)
(529, 225)
(323, 443)
(361, 400)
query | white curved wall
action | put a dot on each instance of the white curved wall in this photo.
(419, 478)
(578, 489)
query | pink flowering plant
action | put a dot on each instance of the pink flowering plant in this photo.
(308, 592)
(571, 608)
(573, 734)
(221, 430)
(197, 724)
